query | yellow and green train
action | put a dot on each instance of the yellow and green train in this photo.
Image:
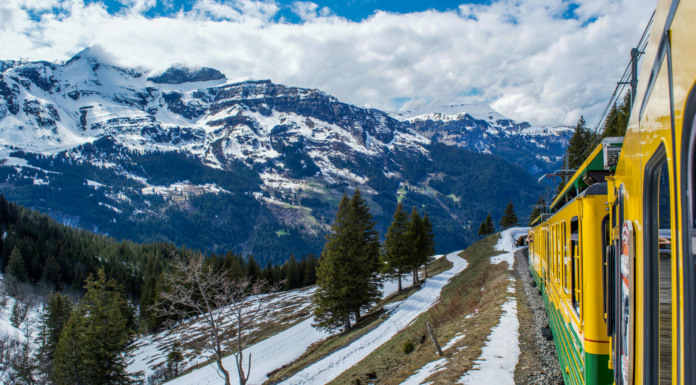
(615, 259)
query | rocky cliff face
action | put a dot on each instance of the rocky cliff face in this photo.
(181, 74)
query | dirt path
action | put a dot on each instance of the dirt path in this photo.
(538, 362)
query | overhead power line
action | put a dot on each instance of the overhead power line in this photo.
(629, 72)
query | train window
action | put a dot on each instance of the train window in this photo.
(557, 241)
(566, 286)
(605, 233)
(575, 265)
(658, 268)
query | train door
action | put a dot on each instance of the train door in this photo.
(688, 206)
(619, 313)
(657, 267)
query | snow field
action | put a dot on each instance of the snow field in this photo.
(152, 350)
(332, 366)
(266, 356)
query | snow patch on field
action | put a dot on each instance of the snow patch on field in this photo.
(507, 241)
(502, 352)
(453, 341)
(426, 371)
(329, 368)
(266, 356)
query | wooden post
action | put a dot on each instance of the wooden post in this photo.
(432, 335)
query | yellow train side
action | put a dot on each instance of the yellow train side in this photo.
(636, 243)
(564, 260)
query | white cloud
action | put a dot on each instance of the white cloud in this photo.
(520, 56)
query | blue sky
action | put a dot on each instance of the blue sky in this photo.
(354, 10)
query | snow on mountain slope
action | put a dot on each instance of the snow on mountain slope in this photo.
(47, 108)
(476, 110)
(327, 369)
(151, 351)
(477, 127)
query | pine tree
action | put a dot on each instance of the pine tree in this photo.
(416, 238)
(487, 227)
(347, 276)
(101, 329)
(368, 285)
(70, 365)
(333, 298)
(51, 273)
(15, 316)
(310, 275)
(16, 266)
(578, 143)
(509, 218)
(429, 242)
(56, 314)
(616, 123)
(395, 253)
(253, 269)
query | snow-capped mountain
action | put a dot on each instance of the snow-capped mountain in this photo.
(477, 127)
(186, 156)
(50, 108)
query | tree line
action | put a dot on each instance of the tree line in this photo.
(508, 220)
(40, 251)
(354, 264)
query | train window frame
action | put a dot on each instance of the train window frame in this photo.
(688, 254)
(559, 254)
(566, 264)
(651, 267)
(605, 259)
(575, 266)
(616, 282)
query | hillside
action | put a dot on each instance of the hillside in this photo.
(469, 316)
(255, 167)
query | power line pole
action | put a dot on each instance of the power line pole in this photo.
(634, 73)
(635, 54)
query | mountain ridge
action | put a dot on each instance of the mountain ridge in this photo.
(253, 166)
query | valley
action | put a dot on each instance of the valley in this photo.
(251, 160)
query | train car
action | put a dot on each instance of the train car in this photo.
(565, 255)
(650, 296)
(634, 252)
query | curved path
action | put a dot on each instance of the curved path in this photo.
(332, 366)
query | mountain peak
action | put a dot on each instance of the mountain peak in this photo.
(180, 73)
(476, 110)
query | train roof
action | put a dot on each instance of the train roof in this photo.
(595, 189)
(600, 164)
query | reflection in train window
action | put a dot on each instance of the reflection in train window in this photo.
(665, 276)
(658, 268)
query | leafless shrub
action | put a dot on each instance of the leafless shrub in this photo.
(194, 290)
(4, 296)
(25, 300)
(16, 361)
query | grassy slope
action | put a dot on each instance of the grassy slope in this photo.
(462, 296)
(367, 323)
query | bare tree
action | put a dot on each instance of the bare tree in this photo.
(193, 290)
